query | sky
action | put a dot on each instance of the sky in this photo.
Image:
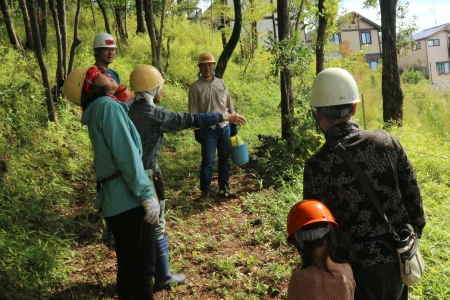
(429, 13)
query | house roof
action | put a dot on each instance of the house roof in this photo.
(366, 20)
(430, 31)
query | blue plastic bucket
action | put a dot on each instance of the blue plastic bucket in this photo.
(239, 154)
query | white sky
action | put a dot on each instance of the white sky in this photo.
(429, 13)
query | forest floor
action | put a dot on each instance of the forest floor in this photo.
(209, 241)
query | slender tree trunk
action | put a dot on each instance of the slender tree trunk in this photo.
(56, 90)
(298, 19)
(118, 17)
(76, 41)
(232, 43)
(160, 38)
(390, 77)
(93, 15)
(61, 11)
(320, 45)
(42, 19)
(140, 28)
(29, 44)
(40, 58)
(287, 99)
(105, 16)
(9, 25)
(150, 20)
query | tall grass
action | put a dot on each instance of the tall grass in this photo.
(48, 189)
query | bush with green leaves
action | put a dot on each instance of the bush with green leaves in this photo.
(412, 76)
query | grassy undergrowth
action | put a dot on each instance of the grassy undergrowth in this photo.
(49, 233)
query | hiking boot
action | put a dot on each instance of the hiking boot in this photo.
(204, 196)
(225, 193)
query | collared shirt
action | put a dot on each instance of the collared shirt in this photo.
(329, 179)
(117, 147)
(210, 96)
(152, 122)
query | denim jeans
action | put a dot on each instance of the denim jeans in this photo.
(217, 138)
(379, 282)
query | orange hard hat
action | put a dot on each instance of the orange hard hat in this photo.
(123, 94)
(307, 212)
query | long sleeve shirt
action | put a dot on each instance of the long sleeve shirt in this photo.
(153, 121)
(210, 96)
(329, 179)
(117, 147)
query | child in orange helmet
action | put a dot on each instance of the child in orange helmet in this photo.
(324, 274)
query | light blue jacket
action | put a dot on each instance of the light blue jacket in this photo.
(117, 147)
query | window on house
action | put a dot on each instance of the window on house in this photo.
(416, 46)
(434, 42)
(373, 64)
(443, 67)
(365, 38)
(335, 38)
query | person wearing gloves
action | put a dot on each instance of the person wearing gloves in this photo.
(152, 122)
(328, 178)
(210, 94)
(126, 196)
(324, 274)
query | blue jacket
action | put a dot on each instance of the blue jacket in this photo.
(117, 147)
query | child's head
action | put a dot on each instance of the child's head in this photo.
(311, 226)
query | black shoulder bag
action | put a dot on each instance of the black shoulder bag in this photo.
(411, 263)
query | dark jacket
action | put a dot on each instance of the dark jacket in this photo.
(329, 179)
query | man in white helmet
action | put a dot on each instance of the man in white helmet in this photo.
(152, 122)
(327, 177)
(104, 46)
(210, 94)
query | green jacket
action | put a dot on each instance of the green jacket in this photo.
(117, 147)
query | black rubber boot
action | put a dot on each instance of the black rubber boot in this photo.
(163, 277)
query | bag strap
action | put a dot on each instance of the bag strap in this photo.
(342, 153)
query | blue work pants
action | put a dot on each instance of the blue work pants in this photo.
(217, 138)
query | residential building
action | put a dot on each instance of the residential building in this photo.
(430, 54)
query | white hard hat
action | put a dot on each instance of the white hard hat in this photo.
(104, 40)
(334, 86)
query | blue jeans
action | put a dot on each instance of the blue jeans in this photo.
(217, 138)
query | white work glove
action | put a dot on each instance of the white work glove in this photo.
(152, 210)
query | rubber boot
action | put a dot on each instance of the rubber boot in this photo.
(163, 277)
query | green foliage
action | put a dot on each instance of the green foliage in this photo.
(48, 190)
(411, 76)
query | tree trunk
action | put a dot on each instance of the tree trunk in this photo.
(105, 16)
(140, 28)
(40, 58)
(61, 11)
(56, 90)
(9, 25)
(390, 77)
(93, 15)
(149, 19)
(160, 38)
(320, 44)
(287, 99)
(234, 39)
(42, 19)
(119, 13)
(29, 44)
(76, 41)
